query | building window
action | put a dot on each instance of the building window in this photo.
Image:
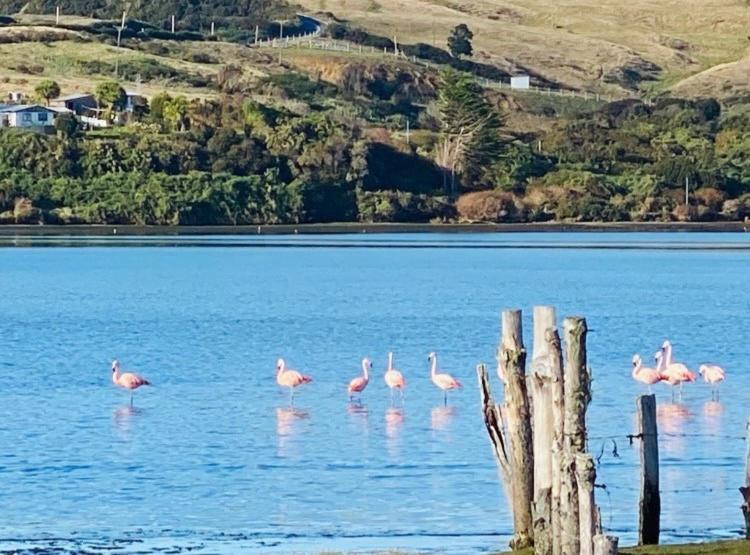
(26, 117)
(41, 116)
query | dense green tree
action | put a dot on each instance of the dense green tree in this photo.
(459, 41)
(110, 96)
(47, 90)
(470, 130)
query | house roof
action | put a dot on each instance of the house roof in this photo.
(13, 108)
(70, 97)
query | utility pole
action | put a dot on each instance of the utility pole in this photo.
(173, 24)
(687, 192)
(407, 131)
(213, 28)
(57, 15)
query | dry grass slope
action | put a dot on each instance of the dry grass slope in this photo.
(578, 43)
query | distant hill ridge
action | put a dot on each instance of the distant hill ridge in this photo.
(190, 14)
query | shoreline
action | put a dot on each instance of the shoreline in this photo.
(354, 228)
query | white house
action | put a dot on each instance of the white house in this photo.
(26, 115)
(520, 82)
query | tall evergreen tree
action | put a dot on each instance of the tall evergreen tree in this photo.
(459, 41)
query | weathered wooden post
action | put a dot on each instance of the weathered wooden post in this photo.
(650, 502)
(512, 358)
(493, 421)
(585, 477)
(745, 490)
(556, 452)
(541, 395)
(605, 545)
(577, 397)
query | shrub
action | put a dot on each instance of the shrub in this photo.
(401, 206)
(490, 206)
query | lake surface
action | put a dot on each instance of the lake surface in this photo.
(213, 459)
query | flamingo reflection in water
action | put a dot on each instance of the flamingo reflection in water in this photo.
(672, 420)
(124, 418)
(394, 421)
(441, 418)
(287, 426)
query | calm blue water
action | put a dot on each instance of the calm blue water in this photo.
(213, 459)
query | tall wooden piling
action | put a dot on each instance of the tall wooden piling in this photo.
(585, 477)
(745, 490)
(543, 428)
(650, 501)
(556, 452)
(513, 361)
(577, 396)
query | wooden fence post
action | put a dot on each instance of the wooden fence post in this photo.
(558, 406)
(577, 397)
(585, 477)
(513, 361)
(543, 428)
(745, 490)
(605, 545)
(650, 502)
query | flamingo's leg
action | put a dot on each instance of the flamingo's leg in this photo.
(131, 399)
(401, 393)
(445, 398)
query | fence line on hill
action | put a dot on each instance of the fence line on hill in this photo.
(315, 41)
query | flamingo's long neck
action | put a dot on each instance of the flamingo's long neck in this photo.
(433, 370)
(390, 361)
(365, 364)
(637, 368)
(280, 367)
(668, 354)
(116, 374)
(659, 364)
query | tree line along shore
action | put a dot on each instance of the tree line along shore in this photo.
(382, 142)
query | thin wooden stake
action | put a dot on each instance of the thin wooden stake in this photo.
(745, 491)
(513, 361)
(650, 502)
(585, 477)
(543, 426)
(605, 545)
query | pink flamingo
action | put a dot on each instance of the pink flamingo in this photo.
(675, 373)
(286, 377)
(128, 380)
(358, 384)
(445, 382)
(394, 379)
(649, 376)
(714, 375)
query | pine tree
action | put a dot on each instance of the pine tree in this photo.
(459, 41)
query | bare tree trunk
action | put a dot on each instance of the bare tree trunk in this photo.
(541, 393)
(513, 361)
(556, 452)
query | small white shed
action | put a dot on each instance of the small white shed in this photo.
(520, 82)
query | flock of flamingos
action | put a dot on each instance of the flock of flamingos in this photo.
(292, 379)
(675, 373)
(667, 370)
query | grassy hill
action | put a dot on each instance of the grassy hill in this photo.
(614, 46)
